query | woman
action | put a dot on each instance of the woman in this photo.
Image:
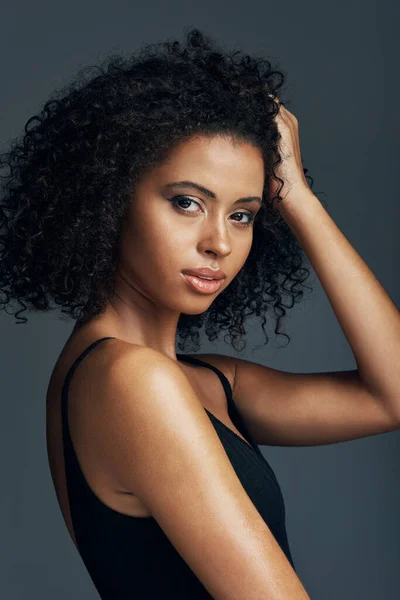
(164, 194)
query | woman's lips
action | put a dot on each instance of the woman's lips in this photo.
(203, 286)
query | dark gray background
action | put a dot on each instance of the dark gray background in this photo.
(342, 500)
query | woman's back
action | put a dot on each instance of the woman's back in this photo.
(126, 553)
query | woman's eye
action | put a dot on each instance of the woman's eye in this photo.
(183, 199)
(186, 199)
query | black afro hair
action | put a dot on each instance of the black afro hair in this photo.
(66, 183)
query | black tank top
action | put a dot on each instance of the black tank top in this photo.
(130, 556)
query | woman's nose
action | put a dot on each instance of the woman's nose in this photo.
(216, 239)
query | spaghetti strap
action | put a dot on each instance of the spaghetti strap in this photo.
(233, 410)
(224, 380)
(77, 361)
(67, 442)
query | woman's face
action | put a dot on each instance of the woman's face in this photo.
(166, 233)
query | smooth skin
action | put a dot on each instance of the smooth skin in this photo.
(151, 432)
(135, 439)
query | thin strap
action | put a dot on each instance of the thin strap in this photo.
(233, 410)
(224, 380)
(72, 369)
(73, 471)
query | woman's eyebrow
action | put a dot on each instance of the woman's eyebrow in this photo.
(209, 193)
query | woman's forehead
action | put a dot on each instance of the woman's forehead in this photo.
(213, 163)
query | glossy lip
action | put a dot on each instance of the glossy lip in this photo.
(206, 272)
(203, 286)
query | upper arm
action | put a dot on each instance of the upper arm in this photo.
(161, 445)
(304, 409)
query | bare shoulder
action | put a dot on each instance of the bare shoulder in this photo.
(130, 377)
(153, 434)
(126, 354)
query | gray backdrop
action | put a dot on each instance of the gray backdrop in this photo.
(342, 500)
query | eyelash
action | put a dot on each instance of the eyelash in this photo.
(250, 222)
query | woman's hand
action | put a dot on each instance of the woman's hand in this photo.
(290, 169)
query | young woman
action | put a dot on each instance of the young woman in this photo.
(164, 194)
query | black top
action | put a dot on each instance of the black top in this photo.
(130, 556)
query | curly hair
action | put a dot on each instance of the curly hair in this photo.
(71, 174)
